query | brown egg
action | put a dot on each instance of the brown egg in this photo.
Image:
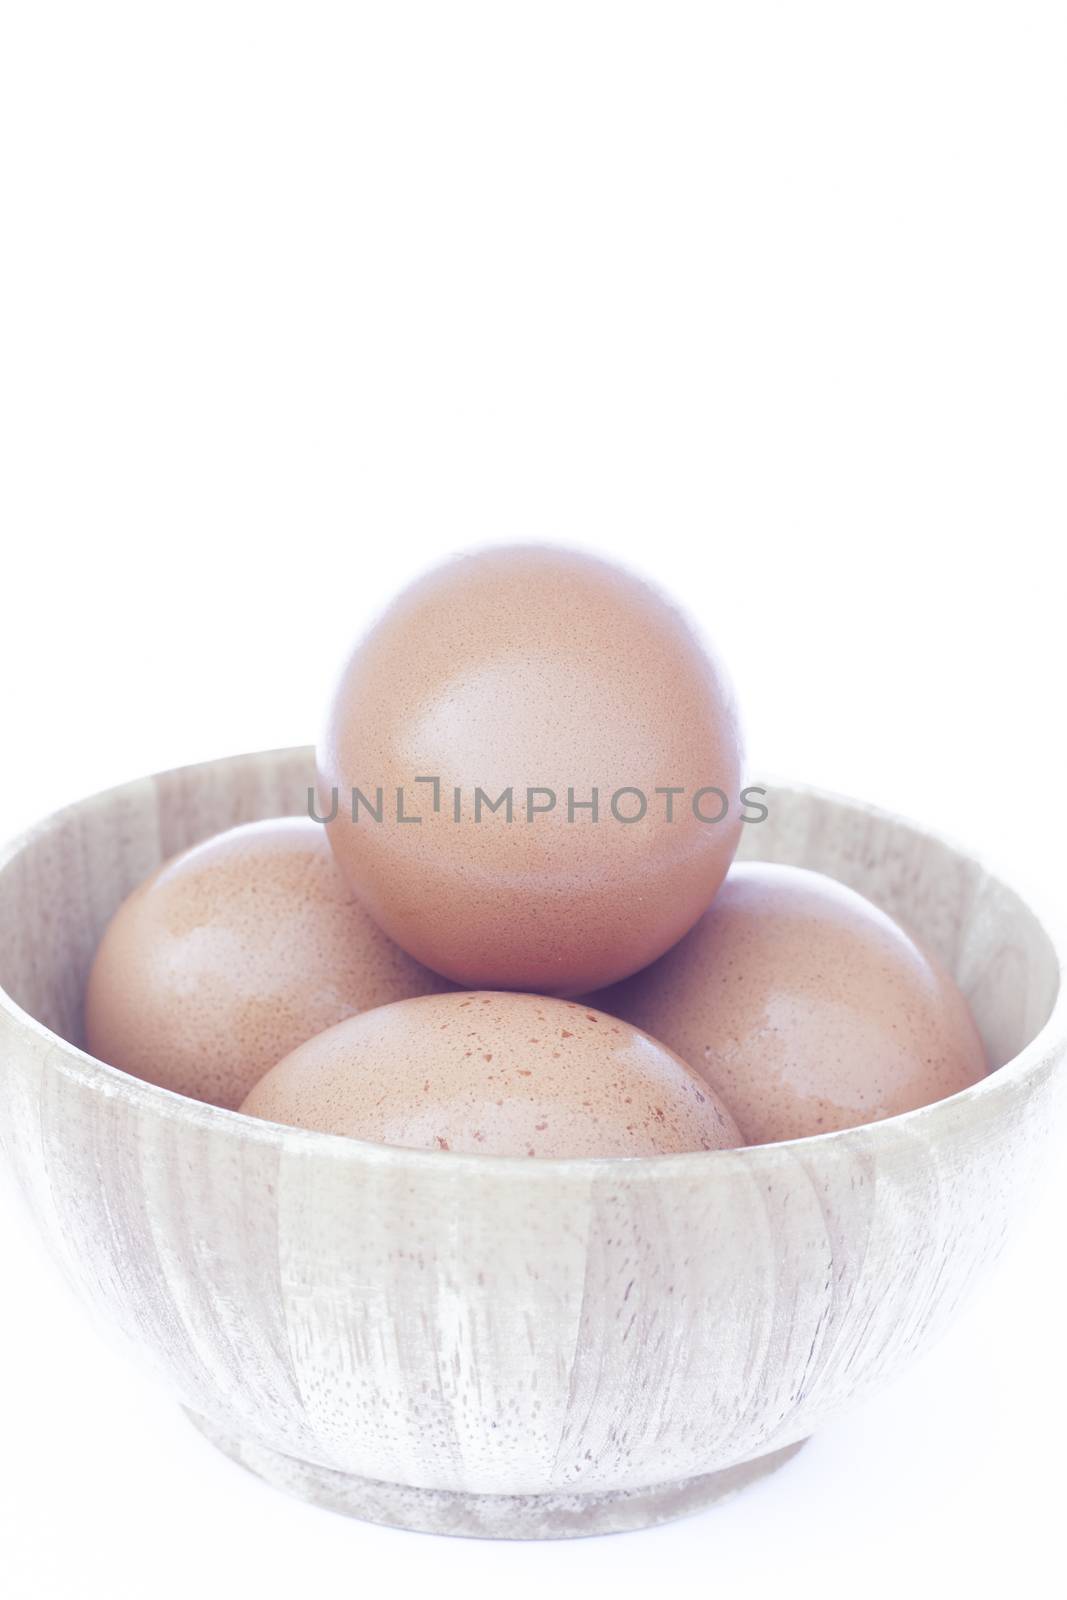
(231, 955)
(546, 676)
(495, 1074)
(805, 1007)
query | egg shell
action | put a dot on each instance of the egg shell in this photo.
(233, 953)
(521, 669)
(495, 1074)
(806, 1007)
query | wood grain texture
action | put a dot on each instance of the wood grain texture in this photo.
(504, 1326)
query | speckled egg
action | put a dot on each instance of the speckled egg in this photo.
(805, 1007)
(531, 770)
(231, 955)
(496, 1074)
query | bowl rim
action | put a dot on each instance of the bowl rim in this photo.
(78, 1065)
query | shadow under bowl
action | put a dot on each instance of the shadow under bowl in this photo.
(495, 1345)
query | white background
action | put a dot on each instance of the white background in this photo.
(766, 299)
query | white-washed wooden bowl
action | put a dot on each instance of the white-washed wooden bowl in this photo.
(502, 1346)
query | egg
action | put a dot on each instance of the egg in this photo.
(233, 953)
(530, 772)
(805, 1007)
(495, 1074)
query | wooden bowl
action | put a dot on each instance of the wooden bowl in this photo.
(495, 1345)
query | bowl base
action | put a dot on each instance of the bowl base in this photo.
(489, 1516)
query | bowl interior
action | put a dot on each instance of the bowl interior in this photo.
(61, 884)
